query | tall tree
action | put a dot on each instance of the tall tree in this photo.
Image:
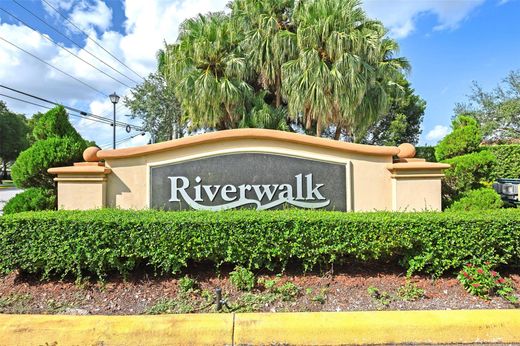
(209, 72)
(154, 102)
(270, 39)
(402, 122)
(498, 110)
(13, 138)
(344, 69)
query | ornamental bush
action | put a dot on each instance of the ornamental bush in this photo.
(100, 242)
(464, 139)
(507, 161)
(55, 123)
(33, 198)
(467, 172)
(481, 199)
(30, 168)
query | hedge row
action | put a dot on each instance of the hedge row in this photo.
(74, 243)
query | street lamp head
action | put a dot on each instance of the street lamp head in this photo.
(114, 98)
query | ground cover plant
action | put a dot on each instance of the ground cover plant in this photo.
(79, 244)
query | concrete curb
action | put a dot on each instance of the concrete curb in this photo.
(321, 328)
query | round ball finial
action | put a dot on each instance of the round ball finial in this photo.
(90, 154)
(406, 151)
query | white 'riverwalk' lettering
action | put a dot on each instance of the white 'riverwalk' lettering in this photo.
(249, 194)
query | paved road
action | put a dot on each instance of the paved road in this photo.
(6, 194)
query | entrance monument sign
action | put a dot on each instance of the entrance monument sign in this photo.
(255, 169)
(251, 180)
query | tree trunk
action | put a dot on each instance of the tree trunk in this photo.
(4, 170)
(278, 91)
(337, 134)
(318, 128)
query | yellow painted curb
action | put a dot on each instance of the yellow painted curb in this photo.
(384, 327)
(321, 328)
(194, 329)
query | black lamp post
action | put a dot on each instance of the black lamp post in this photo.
(114, 98)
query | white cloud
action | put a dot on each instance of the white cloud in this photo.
(400, 15)
(85, 16)
(438, 133)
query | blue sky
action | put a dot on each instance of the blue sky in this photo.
(449, 43)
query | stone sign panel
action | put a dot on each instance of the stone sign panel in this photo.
(248, 180)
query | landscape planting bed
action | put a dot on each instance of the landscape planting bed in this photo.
(349, 288)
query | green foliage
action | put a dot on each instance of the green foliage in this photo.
(498, 110)
(13, 136)
(284, 52)
(464, 139)
(30, 169)
(288, 291)
(481, 199)
(467, 172)
(155, 104)
(242, 278)
(177, 305)
(383, 298)
(402, 123)
(482, 281)
(320, 297)
(187, 284)
(83, 243)
(55, 123)
(410, 292)
(507, 163)
(33, 198)
(427, 153)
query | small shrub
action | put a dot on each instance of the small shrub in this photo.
(187, 284)
(321, 297)
(466, 173)
(32, 199)
(481, 199)
(269, 285)
(381, 297)
(242, 278)
(410, 292)
(464, 139)
(288, 291)
(482, 281)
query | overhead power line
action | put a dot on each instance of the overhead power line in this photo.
(91, 39)
(46, 107)
(64, 48)
(83, 113)
(54, 67)
(123, 140)
(73, 42)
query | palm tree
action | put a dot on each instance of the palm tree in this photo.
(270, 39)
(343, 69)
(208, 72)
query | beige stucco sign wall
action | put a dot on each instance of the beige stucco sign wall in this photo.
(252, 168)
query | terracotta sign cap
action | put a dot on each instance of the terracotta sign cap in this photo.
(406, 151)
(90, 154)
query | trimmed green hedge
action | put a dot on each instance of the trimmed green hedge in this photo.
(75, 243)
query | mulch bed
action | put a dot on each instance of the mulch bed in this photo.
(346, 289)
